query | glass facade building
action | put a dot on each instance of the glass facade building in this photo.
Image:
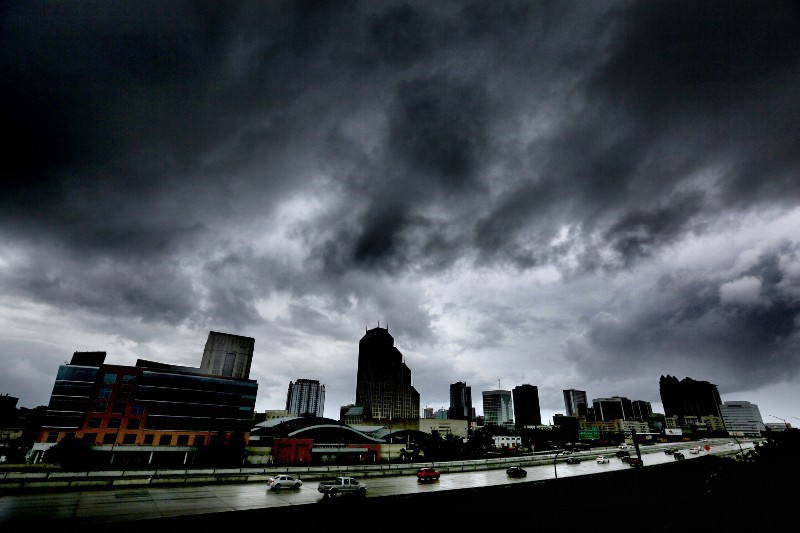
(138, 412)
(576, 403)
(497, 408)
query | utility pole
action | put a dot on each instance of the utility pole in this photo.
(636, 443)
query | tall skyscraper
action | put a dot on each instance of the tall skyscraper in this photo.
(689, 397)
(497, 408)
(575, 403)
(305, 397)
(383, 382)
(460, 402)
(526, 406)
(228, 355)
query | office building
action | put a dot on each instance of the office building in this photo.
(642, 410)
(152, 414)
(575, 403)
(305, 397)
(460, 402)
(742, 419)
(614, 408)
(688, 397)
(228, 355)
(526, 406)
(497, 408)
(383, 382)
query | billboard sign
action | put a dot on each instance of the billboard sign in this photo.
(589, 433)
(673, 431)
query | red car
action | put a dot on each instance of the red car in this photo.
(632, 461)
(426, 474)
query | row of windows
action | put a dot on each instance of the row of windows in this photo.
(194, 409)
(110, 379)
(76, 373)
(194, 382)
(182, 395)
(172, 423)
(149, 439)
(132, 423)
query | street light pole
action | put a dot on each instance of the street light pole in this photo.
(785, 423)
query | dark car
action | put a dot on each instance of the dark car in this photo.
(573, 460)
(632, 461)
(426, 474)
(623, 454)
(516, 471)
(679, 456)
(668, 451)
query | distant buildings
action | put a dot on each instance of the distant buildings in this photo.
(642, 410)
(383, 383)
(497, 408)
(526, 406)
(157, 414)
(575, 403)
(305, 397)
(461, 402)
(688, 397)
(614, 408)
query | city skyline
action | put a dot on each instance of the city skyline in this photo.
(573, 195)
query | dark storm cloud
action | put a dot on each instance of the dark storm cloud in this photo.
(691, 320)
(716, 80)
(639, 233)
(206, 165)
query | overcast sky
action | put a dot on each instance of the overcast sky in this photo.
(568, 194)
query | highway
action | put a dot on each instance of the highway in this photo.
(133, 504)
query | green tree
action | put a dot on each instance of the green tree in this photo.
(71, 453)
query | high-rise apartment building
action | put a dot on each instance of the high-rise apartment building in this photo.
(228, 355)
(305, 397)
(460, 402)
(383, 382)
(526, 406)
(575, 403)
(688, 397)
(497, 408)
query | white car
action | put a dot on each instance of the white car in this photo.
(284, 481)
(602, 459)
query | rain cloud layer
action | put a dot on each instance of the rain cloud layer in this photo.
(569, 194)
